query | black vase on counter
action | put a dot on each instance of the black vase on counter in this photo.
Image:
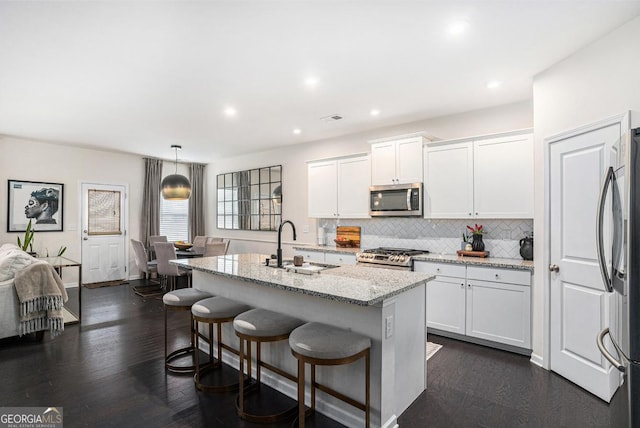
(526, 248)
(477, 244)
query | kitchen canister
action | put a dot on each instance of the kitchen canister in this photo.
(526, 248)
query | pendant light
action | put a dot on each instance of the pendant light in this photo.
(176, 187)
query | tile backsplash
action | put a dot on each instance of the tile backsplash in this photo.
(439, 236)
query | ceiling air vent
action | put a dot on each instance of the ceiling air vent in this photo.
(331, 118)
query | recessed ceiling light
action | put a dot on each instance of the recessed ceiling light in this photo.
(297, 131)
(311, 82)
(458, 27)
(493, 84)
(374, 112)
(230, 112)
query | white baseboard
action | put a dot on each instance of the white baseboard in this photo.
(537, 360)
(290, 389)
(71, 285)
(391, 423)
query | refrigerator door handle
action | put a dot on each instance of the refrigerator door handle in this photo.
(605, 352)
(608, 179)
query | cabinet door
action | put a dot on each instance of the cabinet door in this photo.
(311, 256)
(446, 304)
(448, 181)
(503, 177)
(409, 160)
(340, 258)
(322, 186)
(499, 312)
(383, 163)
(354, 179)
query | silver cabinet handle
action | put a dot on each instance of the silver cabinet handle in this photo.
(608, 179)
(605, 353)
(554, 268)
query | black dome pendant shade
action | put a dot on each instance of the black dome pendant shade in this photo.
(176, 187)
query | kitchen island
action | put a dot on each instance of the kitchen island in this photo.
(388, 306)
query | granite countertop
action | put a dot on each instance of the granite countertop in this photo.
(350, 284)
(443, 258)
(477, 261)
(328, 249)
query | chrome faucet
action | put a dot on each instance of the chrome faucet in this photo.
(279, 250)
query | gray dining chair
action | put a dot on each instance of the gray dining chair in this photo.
(152, 241)
(215, 249)
(146, 268)
(165, 251)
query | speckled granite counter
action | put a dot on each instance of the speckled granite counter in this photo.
(477, 261)
(350, 284)
(388, 306)
(443, 258)
(328, 249)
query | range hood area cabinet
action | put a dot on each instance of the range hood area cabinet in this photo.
(480, 177)
(339, 187)
(397, 161)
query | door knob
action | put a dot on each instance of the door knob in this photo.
(85, 238)
(554, 268)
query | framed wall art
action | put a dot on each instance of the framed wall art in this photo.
(40, 202)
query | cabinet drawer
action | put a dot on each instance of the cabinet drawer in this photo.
(311, 256)
(340, 259)
(511, 276)
(441, 269)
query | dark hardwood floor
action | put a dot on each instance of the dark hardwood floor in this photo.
(109, 371)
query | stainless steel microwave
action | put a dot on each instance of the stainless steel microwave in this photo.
(397, 200)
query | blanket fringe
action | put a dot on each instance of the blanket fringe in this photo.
(34, 316)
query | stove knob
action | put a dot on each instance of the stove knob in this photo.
(391, 258)
(402, 258)
(371, 256)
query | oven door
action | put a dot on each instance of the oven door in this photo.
(382, 266)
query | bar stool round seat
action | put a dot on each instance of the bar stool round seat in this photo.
(181, 300)
(324, 345)
(214, 310)
(261, 325)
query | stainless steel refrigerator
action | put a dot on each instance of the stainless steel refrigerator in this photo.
(620, 267)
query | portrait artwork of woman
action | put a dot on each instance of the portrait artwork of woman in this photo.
(42, 205)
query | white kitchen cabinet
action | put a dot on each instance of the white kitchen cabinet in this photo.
(446, 307)
(339, 259)
(311, 256)
(498, 310)
(339, 187)
(448, 180)
(503, 177)
(397, 161)
(327, 257)
(478, 177)
(491, 304)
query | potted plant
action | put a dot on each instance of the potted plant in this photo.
(27, 242)
(466, 239)
(476, 232)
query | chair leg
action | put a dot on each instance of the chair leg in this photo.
(301, 410)
(368, 389)
(241, 370)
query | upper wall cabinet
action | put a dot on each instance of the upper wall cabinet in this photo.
(339, 187)
(489, 177)
(397, 161)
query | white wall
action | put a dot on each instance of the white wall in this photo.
(293, 160)
(599, 81)
(39, 161)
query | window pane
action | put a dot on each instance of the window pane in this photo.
(174, 219)
(104, 212)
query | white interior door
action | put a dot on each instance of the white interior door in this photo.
(579, 305)
(103, 232)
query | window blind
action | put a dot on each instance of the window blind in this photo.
(174, 219)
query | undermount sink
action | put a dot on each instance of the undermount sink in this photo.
(306, 268)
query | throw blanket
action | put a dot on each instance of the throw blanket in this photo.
(41, 294)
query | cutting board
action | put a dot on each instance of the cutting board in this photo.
(351, 233)
(473, 253)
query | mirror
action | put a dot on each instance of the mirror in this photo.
(251, 199)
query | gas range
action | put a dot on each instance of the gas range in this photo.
(394, 258)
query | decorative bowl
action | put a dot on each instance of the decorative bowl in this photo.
(344, 242)
(182, 245)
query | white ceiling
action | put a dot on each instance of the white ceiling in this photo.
(140, 76)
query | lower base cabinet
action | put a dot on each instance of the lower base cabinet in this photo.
(479, 302)
(327, 257)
